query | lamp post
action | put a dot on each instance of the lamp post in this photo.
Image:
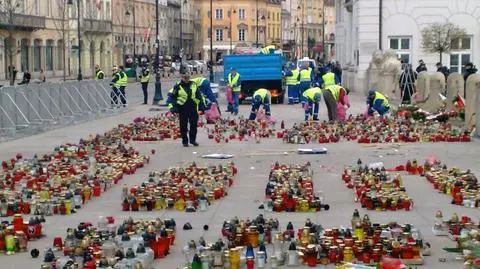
(230, 12)
(323, 32)
(127, 13)
(79, 76)
(257, 25)
(211, 41)
(158, 86)
(302, 29)
(181, 37)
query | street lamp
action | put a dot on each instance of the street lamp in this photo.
(158, 86)
(79, 76)
(234, 11)
(303, 20)
(127, 13)
(182, 68)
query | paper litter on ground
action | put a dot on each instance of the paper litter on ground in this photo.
(312, 150)
(217, 156)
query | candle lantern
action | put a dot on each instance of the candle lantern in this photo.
(292, 255)
(22, 241)
(10, 244)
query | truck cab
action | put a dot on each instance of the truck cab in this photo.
(307, 61)
(257, 71)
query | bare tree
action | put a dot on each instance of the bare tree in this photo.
(9, 10)
(437, 37)
(62, 26)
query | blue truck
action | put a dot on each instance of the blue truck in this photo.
(257, 71)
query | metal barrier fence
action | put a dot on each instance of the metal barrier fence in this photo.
(33, 108)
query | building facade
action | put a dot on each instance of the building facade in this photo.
(240, 23)
(33, 36)
(287, 28)
(358, 32)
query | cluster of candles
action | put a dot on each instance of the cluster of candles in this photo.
(161, 127)
(374, 130)
(14, 235)
(375, 189)
(61, 182)
(188, 188)
(225, 130)
(290, 188)
(462, 186)
(364, 243)
(132, 244)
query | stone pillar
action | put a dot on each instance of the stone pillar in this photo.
(437, 85)
(388, 85)
(471, 104)
(455, 86)
(423, 87)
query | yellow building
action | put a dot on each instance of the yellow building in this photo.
(235, 25)
(274, 23)
(308, 16)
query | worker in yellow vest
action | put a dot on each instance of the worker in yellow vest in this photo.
(333, 95)
(312, 96)
(260, 96)
(305, 81)
(328, 79)
(292, 80)
(145, 78)
(123, 85)
(118, 83)
(376, 101)
(203, 86)
(269, 50)
(186, 100)
(99, 73)
(234, 81)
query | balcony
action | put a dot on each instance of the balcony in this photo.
(97, 26)
(21, 22)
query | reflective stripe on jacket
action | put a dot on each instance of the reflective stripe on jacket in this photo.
(234, 81)
(305, 75)
(263, 93)
(310, 93)
(328, 79)
(181, 96)
(123, 81)
(145, 77)
(293, 79)
(99, 74)
(379, 96)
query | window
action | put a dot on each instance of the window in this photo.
(241, 34)
(24, 52)
(37, 57)
(60, 54)
(219, 14)
(47, 8)
(241, 14)
(461, 54)
(401, 45)
(219, 34)
(49, 55)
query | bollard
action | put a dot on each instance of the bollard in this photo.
(423, 90)
(471, 103)
(455, 86)
(436, 87)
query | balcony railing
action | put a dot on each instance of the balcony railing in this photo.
(97, 26)
(21, 21)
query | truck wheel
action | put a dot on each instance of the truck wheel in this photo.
(281, 99)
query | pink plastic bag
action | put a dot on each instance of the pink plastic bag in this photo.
(229, 95)
(341, 111)
(212, 114)
(261, 116)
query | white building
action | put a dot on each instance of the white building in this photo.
(358, 32)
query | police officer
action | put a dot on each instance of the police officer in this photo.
(292, 77)
(305, 81)
(268, 50)
(376, 101)
(123, 82)
(312, 96)
(99, 73)
(145, 78)
(261, 96)
(185, 99)
(234, 81)
(115, 83)
(203, 85)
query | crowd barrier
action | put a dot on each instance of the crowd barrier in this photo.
(32, 108)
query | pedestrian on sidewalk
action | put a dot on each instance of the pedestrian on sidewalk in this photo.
(186, 100)
(145, 78)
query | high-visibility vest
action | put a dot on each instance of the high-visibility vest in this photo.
(145, 78)
(310, 93)
(267, 49)
(117, 83)
(123, 81)
(305, 75)
(182, 96)
(335, 90)
(233, 81)
(293, 79)
(328, 79)
(99, 72)
(379, 96)
(263, 93)
(198, 81)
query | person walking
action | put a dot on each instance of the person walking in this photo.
(145, 78)
(407, 84)
(234, 81)
(99, 74)
(333, 95)
(203, 85)
(261, 96)
(312, 96)
(115, 84)
(292, 80)
(378, 102)
(186, 100)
